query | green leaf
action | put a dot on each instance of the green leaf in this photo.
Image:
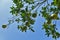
(23, 14)
(29, 1)
(17, 20)
(31, 29)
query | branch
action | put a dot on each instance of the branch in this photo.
(39, 4)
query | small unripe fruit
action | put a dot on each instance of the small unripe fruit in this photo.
(4, 26)
(34, 15)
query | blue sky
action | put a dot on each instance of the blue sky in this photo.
(12, 33)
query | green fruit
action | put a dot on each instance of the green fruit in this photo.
(54, 16)
(27, 24)
(34, 15)
(4, 26)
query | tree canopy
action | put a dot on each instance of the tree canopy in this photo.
(22, 11)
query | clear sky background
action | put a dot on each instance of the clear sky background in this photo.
(12, 33)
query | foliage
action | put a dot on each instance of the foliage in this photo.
(23, 10)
